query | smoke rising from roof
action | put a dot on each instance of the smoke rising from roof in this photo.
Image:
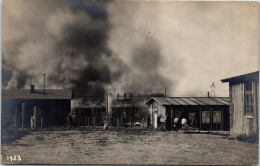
(145, 76)
(68, 45)
(73, 49)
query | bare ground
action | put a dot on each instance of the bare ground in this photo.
(129, 147)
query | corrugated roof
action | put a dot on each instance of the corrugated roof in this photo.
(38, 94)
(191, 100)
(178, 100)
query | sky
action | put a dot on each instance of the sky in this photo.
(140, 46)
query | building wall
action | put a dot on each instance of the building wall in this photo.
(183, 111)
(240, 124)
(54, 112)
(155, 110)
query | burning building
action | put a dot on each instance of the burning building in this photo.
(129, 109)
(89, 110)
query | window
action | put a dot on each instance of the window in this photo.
(155, 107)
(216, 117)
(162, 111)
(249, 100)
(205, 117)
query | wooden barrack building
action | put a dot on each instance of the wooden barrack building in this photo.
(205, 113)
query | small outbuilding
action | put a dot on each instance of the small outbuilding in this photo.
(244, 95)
(205, 113)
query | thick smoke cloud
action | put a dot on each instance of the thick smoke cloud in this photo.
(72, 45)
(145, 77)
(67, 44)
(199, 42)
(131, 46)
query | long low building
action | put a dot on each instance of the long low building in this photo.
(50, 105)
(205, 113)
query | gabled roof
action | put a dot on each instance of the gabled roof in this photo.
(244, 77)
(190, 100)
(37, 95)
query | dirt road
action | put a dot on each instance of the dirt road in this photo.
(129, 147)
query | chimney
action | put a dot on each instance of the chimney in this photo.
(165, 92)
(32, 88)
(208, 94)
(124, 95)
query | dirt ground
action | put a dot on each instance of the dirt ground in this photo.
(129, 147)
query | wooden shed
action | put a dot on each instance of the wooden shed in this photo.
(52, 105)
(205, 113)
(244, 95)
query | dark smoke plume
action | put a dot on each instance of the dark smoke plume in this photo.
(71, 45)
(68, 45)
(146, 77)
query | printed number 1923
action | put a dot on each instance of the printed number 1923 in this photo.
(14, 158)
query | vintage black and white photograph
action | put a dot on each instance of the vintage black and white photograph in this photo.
(148, 82)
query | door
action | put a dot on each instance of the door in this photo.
(192, 119)
(205, 120)
(216, 120)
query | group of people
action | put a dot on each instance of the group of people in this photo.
(163, 121)
(180, 123)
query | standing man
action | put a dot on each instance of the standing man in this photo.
(69, 120)
(32, 123)
(175, 122)
(184, 122)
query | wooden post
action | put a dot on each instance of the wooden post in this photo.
(222, 118)
(143, 123)
(171, 118)
(41, 122)
(200, 118)
(23, 109)
(131, 122)
(121, 119)
(211, 118)
(94, 119)
(34, 117)
(15, 118)
(146, 118)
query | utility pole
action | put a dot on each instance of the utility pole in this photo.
(106, 121)
(107, 100)
(23, 109)
(44, 83)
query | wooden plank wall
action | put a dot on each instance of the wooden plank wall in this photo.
(239, 123)
(237, 109)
